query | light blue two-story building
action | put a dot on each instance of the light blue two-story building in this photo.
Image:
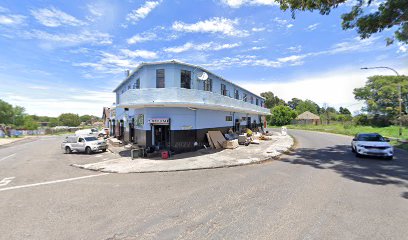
(172, 105)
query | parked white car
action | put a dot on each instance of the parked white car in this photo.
(88, 131)
(372, 144)
(87, 144)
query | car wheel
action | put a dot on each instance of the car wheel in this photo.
(352, 149)
(88, 150)
(390, 158)
(103, 150)
(68, 150)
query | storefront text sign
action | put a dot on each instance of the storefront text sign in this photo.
(162, 121)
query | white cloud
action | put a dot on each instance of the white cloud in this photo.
(11, 19)
(351, 45)
(239, 3)
(95, 10)
(71, 39)
(241, 61)
(295, 49)
(334, 88)
(117, 63)
(257, 48)
(3, 10)
(52, 17)
(210, 46)
(258, 29)
(213, 25)
(282, 22)
(293, 58)
(138, 38)
(402, 48)
(312, 27)
(39, 87)
(142, 12)
(139, 54)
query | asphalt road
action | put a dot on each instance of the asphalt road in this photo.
(320, 191)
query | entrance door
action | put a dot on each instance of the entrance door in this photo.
(248, 122)
(161, 136)
(131, 130)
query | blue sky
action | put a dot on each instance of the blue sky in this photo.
(67, 56)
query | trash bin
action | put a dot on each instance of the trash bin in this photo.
(165, 155)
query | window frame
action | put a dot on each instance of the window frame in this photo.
(183, 82)
(223, 89)
(236, 94)
(160, 80)
(207, 85)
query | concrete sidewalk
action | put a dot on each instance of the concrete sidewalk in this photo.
(201, 159)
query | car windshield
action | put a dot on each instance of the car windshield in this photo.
(370, 138)
(91, 139)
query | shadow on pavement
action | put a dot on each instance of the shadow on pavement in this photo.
(365, 170)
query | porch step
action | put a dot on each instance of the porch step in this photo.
(115, 142)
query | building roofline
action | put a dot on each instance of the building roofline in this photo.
(180, 63)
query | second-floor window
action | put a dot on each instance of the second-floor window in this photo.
(223, 89)
(252, 99)
(159, 78)
(257, 101)
(208, 85)
(185, 78)
(136, 85)
(245, 97)
(236, 94)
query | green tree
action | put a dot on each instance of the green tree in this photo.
(344, 111)
(69, 119)
(390, 14)
(307, 105)
(86, 119)
(271, 100)
(294, 102)
(282, 115)
(6, 112)
(54, 122)
(30, 123)
(380, 94)
(18, 116)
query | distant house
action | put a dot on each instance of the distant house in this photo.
(307, 118)
(106, 116)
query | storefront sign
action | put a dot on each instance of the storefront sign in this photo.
(159, 121)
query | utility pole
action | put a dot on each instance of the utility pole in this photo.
(399, 95)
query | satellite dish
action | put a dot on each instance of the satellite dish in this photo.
(202, 76)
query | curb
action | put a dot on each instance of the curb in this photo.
(261, 160)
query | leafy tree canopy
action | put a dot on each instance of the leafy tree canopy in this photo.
(271, 100)
(6, 112)
(69, 119)
(388, 14)
(30, 123)
(282, 115)
(380, 94)
(307, 105)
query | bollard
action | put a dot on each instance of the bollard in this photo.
(284, 131)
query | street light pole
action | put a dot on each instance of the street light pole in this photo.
(399, 95)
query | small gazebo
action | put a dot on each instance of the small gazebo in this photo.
(307, 118)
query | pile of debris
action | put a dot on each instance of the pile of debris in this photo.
(232, 140)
